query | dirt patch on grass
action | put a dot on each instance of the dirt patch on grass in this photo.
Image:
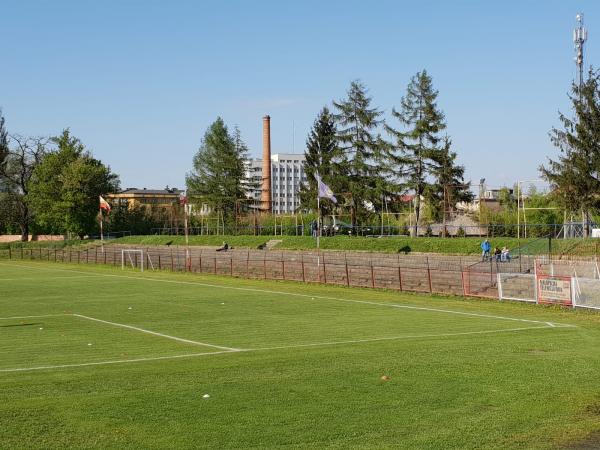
(590, 442)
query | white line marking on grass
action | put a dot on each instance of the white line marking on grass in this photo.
(262, 349)
(45, 280)
(154, 333)
(311, 296)
(33, 317)
(117, 361)
(397, 338)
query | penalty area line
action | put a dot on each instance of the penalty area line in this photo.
(45, 280)
(407, 337)
(34, 317)
(281, 347)
(154, 333)
(116, 361)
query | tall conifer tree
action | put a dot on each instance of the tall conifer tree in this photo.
(362, 166)
(575, 175)
(218, 176)
(321, 151)
(417, 145)
(448, 187)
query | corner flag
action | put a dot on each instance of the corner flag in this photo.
(104, 205)
(324, 190)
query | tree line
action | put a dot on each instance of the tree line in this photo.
(370, 163)
(50, 185)
(346, 147)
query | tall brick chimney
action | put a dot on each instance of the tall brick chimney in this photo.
(265, 198)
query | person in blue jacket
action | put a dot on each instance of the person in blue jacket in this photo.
(485, 250)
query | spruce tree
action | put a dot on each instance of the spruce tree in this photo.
(218, 177)
(574, 175)
(363, 165)
(416, 149)
(321, 149)
(449, 185)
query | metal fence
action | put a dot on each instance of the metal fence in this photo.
(443, 275)
(468, 276)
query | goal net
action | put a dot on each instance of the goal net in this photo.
(133, 258)
(586, 292)
(516, 286)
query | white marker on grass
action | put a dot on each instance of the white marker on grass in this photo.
(206, 396)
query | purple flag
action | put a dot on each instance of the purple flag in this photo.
(324, 190)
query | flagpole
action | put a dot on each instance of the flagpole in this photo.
(101, 230)
(318, 235)
(187, 241)
(188, 260)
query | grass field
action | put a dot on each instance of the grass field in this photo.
(104, 358)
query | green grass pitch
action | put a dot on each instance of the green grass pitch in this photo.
(95, 357)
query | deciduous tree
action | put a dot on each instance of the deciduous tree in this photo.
(66, 185)
(18, 158)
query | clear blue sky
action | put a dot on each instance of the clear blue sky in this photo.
(139, 81)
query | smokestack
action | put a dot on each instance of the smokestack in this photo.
(265, 198)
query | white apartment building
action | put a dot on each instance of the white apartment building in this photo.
(287, 175)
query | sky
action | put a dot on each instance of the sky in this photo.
(139, 82)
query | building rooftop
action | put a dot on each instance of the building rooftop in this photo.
(168, 191)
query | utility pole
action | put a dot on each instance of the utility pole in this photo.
(579, 38)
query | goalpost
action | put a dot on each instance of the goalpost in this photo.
(132, 257)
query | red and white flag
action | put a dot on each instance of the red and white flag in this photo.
(104, 205)
(183, 200)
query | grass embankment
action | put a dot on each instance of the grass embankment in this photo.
(46, 244)
(118, 359)
(459, 246)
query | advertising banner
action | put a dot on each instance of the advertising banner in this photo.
(554, 289)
